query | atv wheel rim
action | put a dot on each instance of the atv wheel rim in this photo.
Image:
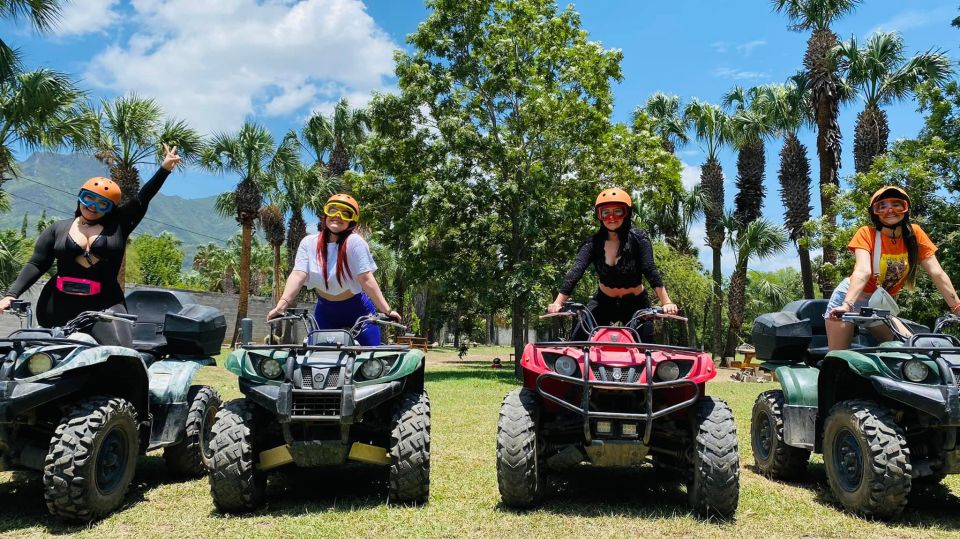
(761, 436)
(206, 432)
(112, 461)
(848, 460)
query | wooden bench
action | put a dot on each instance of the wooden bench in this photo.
(413, 342)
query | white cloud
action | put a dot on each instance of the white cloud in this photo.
(739, 74)
(720, 46)
(909, 20)
(689, 175)
(86, 17)
(747, 48)
(216, 63)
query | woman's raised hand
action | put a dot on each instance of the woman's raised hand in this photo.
(171, 159)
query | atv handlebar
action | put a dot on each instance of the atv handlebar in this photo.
(379, 319)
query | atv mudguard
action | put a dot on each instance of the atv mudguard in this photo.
(801, 406)
(170, 383)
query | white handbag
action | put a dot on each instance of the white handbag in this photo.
(881, 299)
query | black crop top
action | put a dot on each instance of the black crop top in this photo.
(55, 243)
(635, 263)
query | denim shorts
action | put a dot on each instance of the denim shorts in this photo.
(840, 293)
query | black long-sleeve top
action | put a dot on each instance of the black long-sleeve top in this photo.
(635, 263)
(55, 244)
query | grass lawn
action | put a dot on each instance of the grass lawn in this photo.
(464, 500)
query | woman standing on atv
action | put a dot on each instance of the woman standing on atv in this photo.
(622, 256)
(341, 272)
(88, 249)
(903, 247)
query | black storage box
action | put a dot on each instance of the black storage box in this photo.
(195, 330)
(781, 337)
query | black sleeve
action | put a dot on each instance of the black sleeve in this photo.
(579, 266)
(132, 211)
(646, 263)
(38, 264)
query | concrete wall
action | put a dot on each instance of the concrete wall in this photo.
(257, 309)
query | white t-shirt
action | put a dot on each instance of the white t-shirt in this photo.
(359, 261)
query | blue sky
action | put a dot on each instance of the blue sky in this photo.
(218, 63)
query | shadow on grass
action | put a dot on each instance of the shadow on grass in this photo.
(22, 505)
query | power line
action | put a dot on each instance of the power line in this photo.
(145, 218)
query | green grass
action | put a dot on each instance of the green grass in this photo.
(464, 499)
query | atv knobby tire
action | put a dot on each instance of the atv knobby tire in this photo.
(867, 459)
(714, 487)
(410, 450)
(772, 456)
(191, 457)
(520, 474)
(235, 482)
(92, 459)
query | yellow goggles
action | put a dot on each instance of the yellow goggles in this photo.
(337, 209)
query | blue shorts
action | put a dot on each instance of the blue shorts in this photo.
(344, 314)
(840, 293)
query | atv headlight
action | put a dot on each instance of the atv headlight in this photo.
(271, 368)
(668, 371)
(372, 368)
(565, 365)
(40, 362)
(915, 370)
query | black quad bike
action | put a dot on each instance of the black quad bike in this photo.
(320, 400)
(885, 416)
(79, 403)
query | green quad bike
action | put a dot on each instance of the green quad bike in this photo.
(319, 401)
(885, 416)
(78, 403)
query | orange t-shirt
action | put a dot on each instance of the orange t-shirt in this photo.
(893, 256)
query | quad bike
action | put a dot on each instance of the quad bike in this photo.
(320, 401)
(885, 416)
(615, 401)
(79, 403)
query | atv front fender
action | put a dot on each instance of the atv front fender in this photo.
(939, 401)
(866, 365)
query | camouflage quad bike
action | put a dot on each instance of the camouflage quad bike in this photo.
(79, 403)
(885, 416)
(318, 401)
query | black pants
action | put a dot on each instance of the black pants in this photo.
(607, 310)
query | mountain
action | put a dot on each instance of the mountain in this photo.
(50, 182)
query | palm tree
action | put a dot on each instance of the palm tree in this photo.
(665, 112)
(271, 218)
(39, 109)
(826, 93)
(43, 15)
(789, 111)
(749, 126)
(882, 75)
(710, 128)
(758, 239)
(333, 141)
(672, 219)
(251, 154)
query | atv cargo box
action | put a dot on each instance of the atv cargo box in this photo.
(195, 330)
(781, 337)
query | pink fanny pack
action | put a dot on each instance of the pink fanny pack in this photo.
(77, 287)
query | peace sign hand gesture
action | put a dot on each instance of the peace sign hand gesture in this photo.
(171, 159)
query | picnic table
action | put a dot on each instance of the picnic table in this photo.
(413, 341)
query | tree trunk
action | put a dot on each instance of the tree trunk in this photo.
(518, 338)
(717, 346)
(277, 275)
(735, 300)
(401, 287)
(706, 318)
(806, 272)
(244, 299)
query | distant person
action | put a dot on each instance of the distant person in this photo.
(88, 250)
(338, 265)
(902, 248)
(623, 257)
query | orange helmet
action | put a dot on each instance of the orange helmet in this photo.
(346, 199)
(104, 187)
(614, 195)
(889, 191)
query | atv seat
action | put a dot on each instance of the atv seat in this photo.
(151, 308)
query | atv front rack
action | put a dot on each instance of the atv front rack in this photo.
(327, 348)
(587, 385)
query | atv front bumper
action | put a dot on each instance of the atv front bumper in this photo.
(940, 401)
(17, 398)
(648, 386)
(341, 405)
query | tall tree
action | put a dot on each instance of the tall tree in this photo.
(710, 127)
(333, 140)
(882, 74)
(43, 16)
(251, 154)
(826, 93)
(749, 127)
(789, 111)
(666, 114)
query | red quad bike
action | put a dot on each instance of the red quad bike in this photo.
(614, 401)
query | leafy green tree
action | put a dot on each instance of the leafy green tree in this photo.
(333, 140)
(684, 277)
(13, 254)
(668, 123)
(770, 291)
(160, 258)
(827, 91)
(43, 16)
(882, 74)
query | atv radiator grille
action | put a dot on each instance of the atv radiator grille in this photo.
(606, 373)
(332, 379)
(306, 381)
(315, 405)
(956, 376)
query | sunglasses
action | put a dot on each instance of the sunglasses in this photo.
(336, 209)
(95, 202)
(611, 213)
(896, 206)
